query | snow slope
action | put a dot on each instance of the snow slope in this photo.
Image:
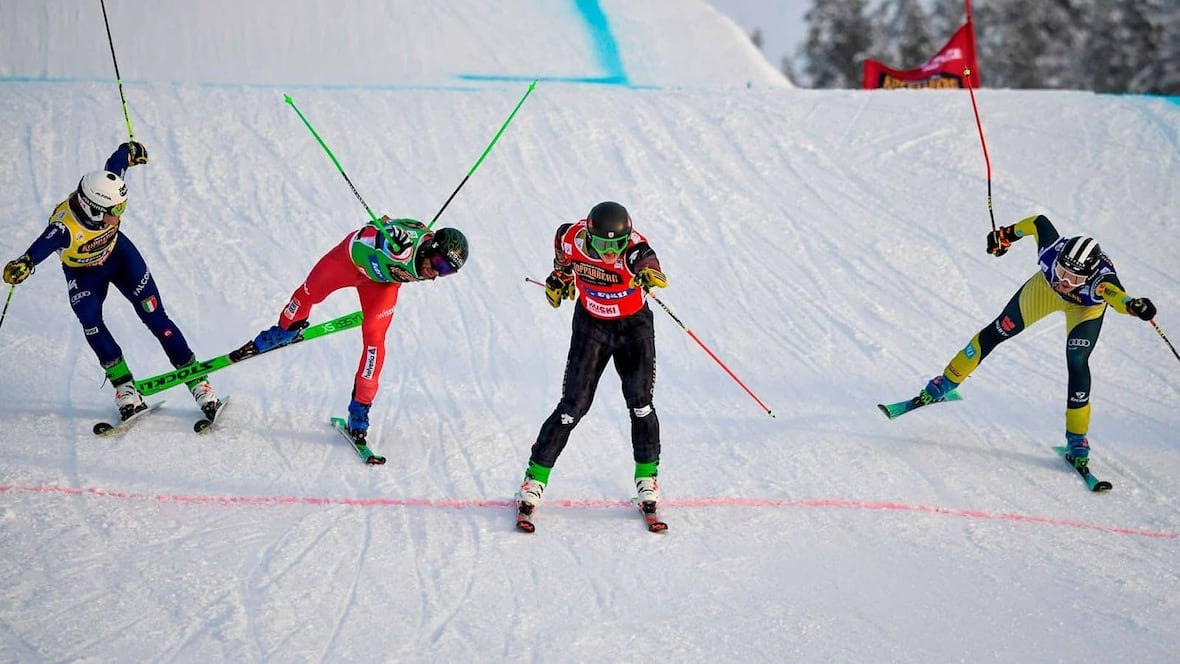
(827, 246)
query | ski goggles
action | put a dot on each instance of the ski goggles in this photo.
(1068, 278)
(115, 210)
(441, 265)
(606, 245)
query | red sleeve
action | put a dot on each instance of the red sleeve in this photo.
(561, 261)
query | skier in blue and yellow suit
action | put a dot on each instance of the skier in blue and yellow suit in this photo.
(84, 231)
(1076, 278)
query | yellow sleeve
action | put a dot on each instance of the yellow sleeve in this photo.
(1026, 226)
(1113, 295)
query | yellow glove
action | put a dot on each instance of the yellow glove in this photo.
(559, 286)
(649, 278)
(18, 270)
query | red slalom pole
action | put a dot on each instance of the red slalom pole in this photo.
(699, 343)
(986, 160)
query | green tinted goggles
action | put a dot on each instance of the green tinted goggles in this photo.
(605, 245)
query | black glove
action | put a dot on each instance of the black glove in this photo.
(399, 236)
(558, 286)
(1140, 307)
(998, 241)
(649, 278)
(18, 270)
(136, 153)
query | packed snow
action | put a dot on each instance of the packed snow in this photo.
(826, 246)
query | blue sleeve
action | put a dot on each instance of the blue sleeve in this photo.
(54, 237)
(119, 161)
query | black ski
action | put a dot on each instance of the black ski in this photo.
(524, 518)
(1095, 484)
(651, 516)
(205, 423)
(106, 429)
(359, 446)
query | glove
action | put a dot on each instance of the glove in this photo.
(399, 236)
(18, 270)
(998, 241)
(277, 337)
(558, 286)
(136, 153)
(1140, 307)
(649, 278)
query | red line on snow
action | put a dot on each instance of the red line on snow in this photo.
(603, 503)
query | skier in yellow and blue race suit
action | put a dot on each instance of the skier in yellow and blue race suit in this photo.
(85, 232)
(1075, 278)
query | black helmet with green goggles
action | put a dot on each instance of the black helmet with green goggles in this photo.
(608, 228)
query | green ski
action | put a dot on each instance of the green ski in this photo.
(178, 376)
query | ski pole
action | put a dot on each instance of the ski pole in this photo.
(118, 78)
(287, 98)
(694, 338)
(13, 288)
(485, 153)
(373, 217)
(1157, 329)
(986, 159)
(711, 354)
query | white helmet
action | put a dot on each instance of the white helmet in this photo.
(102, 192)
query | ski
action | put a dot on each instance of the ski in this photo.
(177, 376)
(524, 518)
(896, 410)
(205, 423)
(650, 516)
(1094, 483)
(106, 429)
(362, 448)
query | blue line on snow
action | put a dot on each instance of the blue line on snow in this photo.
(603, 40)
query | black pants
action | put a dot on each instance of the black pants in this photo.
(631, 343)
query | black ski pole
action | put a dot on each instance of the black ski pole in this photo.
(118, 78)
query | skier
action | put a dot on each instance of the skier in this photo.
(608, 267)
(1076, 278)
(85, 231)
(376, 262)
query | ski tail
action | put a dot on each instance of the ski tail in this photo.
(1096, 485)
(106, 429)
(361, 447)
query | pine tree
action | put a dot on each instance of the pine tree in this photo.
(901, 36)
(839, 36)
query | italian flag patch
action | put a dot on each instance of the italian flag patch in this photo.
(150, 304)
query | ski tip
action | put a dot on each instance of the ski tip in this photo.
(337, 422)
(375, 460)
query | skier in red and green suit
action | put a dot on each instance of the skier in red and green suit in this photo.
(376, 261)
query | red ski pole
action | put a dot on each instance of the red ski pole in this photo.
(699, 343)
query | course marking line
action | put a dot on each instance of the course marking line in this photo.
(583, 504)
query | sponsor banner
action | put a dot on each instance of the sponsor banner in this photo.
(944, 70)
